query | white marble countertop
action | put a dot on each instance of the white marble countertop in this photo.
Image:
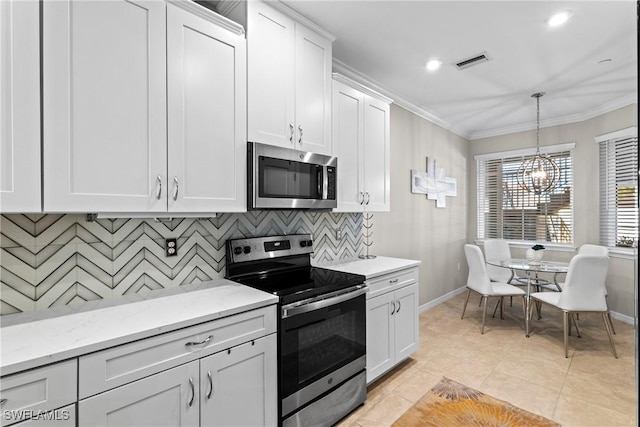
(375, 267)
(29, 344)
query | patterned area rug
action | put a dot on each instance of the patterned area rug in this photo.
(452, 404)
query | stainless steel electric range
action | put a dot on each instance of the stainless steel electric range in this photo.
(321, 330)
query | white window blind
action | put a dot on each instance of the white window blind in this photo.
(619, 192)
(507, 211)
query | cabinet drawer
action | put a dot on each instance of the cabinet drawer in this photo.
(116, 366)
(31, 392)
(389, 282)
(63, 417)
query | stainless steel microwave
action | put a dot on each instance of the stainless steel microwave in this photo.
(283, 178)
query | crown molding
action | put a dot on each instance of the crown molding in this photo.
(362, 79)
(276, 4)
(573, 118)
(361, 88)
(209, 15)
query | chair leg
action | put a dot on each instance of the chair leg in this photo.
(611, 323)
(574, 320)
(502, 308)
(484, 312)
(565, 326)
(607, 325)
(496, 308)
(524, 311)
(465, 303)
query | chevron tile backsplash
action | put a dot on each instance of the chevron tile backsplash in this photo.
(55, 260)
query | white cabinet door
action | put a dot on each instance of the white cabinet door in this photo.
(380, 335)
(270, 77)
(20, 106)
(376, 155)
(313, 91)
(104, 77)
(239, 386)
(405, 321)
(360, 130)
(169, 398)
(347, 121)
(206, 72)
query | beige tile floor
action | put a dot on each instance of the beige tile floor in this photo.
(590, 388)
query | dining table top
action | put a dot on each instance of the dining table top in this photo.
(526, 265)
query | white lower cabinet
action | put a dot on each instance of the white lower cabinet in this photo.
(392, 321)
(238, 387)
(169, 398)
(41, 396)
(234, 387)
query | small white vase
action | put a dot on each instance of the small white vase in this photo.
(534, 257)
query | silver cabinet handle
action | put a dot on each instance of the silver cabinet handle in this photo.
(398, 311)
(176, 186)
(393, 303)
(193, 392)
(368, 198)
(361, 197)
(300, 130)
(3, 401)
(393, 281)
(203, 342)
(291, 132)
(159, 193)
(210, 385)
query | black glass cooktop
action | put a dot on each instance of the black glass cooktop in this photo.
(300, 283)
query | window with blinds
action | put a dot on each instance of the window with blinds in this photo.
(619, 192)
(507, 211)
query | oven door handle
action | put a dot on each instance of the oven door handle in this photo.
(293, 310)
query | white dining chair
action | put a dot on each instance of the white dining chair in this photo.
(498, 249)
(583, 291)
(589, 249)
(479, 282)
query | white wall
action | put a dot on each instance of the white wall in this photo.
(620, 281)
(415, 228)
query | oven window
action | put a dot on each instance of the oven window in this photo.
(318, 342)
(287, 179)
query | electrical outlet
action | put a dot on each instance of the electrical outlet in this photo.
(339, 234)
(171, 247)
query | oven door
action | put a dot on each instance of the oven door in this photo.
(322, 344)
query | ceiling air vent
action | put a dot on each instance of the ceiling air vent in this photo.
(470, 62)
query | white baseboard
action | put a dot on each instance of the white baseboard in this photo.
(433, 303)
(622, 317)
(440, 300)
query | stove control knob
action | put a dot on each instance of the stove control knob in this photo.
(303, 243)
(246, 249)
(237, 250)
(309, 243)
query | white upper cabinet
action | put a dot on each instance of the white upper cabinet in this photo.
(207, 115)
(19, 106)
(289, 81)
(143, 108)
(360, 127)
(104, 106)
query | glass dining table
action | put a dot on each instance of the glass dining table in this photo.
(531, 271)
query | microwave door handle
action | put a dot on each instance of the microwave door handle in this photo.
(325, 184)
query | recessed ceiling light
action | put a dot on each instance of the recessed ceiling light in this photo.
(433, 64)
(559, 19)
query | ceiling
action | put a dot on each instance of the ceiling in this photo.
(385, 45)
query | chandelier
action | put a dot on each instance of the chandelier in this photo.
(539, 174)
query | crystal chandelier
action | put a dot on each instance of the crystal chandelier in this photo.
(539, 174)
